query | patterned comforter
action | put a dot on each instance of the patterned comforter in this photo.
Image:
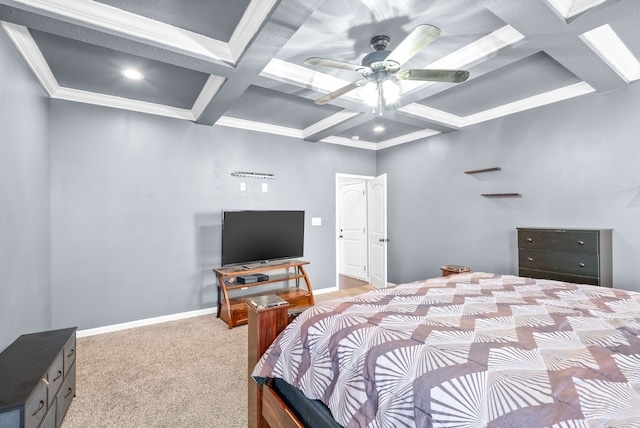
(469, 350)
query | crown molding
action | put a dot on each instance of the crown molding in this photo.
(117, 21)
(612, 50)
(21, 38)
(539, 100)
(254, 16)
(424, 133)
(249, 125)
(432, 114)
(80, 96)
(209, 90)
(571, 8)
(358, 144)
(328, 122)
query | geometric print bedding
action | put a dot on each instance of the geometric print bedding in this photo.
(469, 350)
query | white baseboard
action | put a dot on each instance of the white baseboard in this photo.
(144, 322)
(165, 318)
(325, 290)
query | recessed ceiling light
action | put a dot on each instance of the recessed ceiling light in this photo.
(378, 128)
(133, 74)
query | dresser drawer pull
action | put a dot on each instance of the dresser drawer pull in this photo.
(71, 352)
(580, 242)
(529, 240)
(58, 377)
(46, 382)
(68, 393)
(39, 408)
(530, 259)
(581, 264)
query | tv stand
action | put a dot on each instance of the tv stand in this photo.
(233, 310)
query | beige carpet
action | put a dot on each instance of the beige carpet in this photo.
(186, 373)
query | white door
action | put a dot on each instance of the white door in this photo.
(378, 231)
(352, 233)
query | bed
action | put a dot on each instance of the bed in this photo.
(474, 349)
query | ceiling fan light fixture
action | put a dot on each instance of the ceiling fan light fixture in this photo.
(390, 92)
(369, 94)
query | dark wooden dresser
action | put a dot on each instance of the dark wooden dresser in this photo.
(571, 255)
(38, 379)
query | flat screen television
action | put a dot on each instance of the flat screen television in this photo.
(261, 236)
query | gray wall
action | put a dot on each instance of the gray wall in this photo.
(136, 205)
(575, 164)
(109, 216)
(25, 282)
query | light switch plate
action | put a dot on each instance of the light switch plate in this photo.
(265, 187)
(243, 187)
(316, 221)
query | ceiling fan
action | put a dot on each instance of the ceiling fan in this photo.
(381, 68)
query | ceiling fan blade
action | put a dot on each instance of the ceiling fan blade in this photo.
(451, 76)
(413, 43)
(322, 62)
(339, 92)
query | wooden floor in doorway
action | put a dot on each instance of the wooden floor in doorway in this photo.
(349, 282)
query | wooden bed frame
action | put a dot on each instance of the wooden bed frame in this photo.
(266, 408)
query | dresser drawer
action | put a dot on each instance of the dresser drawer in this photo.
(66, 394)
(50, 418)
(36, 406)
(556, 261)
(574, 241)
(55, 376)
(558, 276)
(69, 351)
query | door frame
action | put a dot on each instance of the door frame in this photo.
(340, 178)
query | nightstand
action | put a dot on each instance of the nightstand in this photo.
(453, 269)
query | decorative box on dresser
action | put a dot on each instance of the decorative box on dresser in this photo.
(38, 379)
(572, 255)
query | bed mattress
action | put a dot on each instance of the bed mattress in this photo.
(474, 349)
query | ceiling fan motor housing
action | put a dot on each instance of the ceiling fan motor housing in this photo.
(374, 60)
(380, 42)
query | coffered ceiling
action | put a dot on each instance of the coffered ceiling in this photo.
(241, 64)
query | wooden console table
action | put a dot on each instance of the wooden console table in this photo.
(233, 310)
